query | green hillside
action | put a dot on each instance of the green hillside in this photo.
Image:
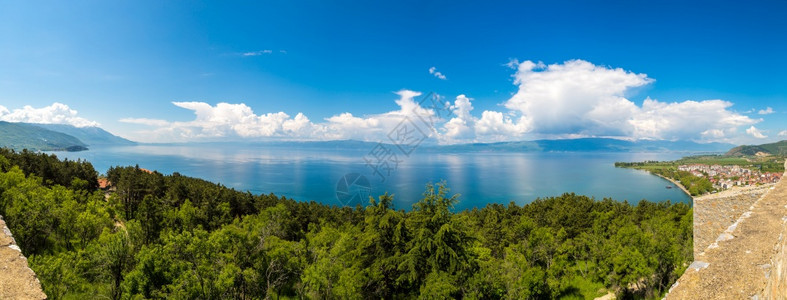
(778, 148)
(19, 136)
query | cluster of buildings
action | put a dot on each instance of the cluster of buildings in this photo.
(724, 177)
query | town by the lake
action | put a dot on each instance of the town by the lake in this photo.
(726, 176)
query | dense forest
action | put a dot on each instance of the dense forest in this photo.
(172, 236)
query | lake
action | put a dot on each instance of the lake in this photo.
(307, 173)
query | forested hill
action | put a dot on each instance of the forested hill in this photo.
(25, 136)
(55, 137)
(172, 236)
(778, 148)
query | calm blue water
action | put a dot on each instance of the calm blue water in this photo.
(479, 178)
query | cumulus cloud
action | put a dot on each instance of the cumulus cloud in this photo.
(494, 126)
(783, 133)
(436, 73)
(766, 111)
(753, 131)
(226, 120)
(574, 97)
(461, 126)
(376, 127)
(578, 98)
(490, 127)
(697, 120)
(57, 113)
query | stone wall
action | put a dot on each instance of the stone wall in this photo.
(776, 286)
(714, 214)
(748, 259)
(17, 280)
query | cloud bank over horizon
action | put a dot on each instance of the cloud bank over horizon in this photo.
(572, 99)
(56, 113)
(226, 120)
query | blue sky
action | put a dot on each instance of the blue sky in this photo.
(313, 70)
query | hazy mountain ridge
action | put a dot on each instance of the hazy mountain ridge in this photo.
(20, 136)
(92, 136)
(55, 137)
(563, 145)
(594, 145)
(777, 148)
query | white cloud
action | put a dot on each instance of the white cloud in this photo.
(257, 53)
(57, 113)
(783, 133)
(574, 97)
(753, 131)
(376, 127)
(460, 127)
(222, 120)
(578, 98)
(436, 73)
(225, 120)
(494, 126)
(766, 111)
(687, 120)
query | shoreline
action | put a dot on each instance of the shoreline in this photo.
(677, 184)
(722, 193)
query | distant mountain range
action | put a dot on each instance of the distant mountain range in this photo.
(20, 136)
(55, 137)
(564, 145)
(592, 145)
(778, 148)
(92, 136)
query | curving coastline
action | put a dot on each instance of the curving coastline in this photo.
(677, 184)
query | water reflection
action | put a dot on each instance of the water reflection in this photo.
(480, 178)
